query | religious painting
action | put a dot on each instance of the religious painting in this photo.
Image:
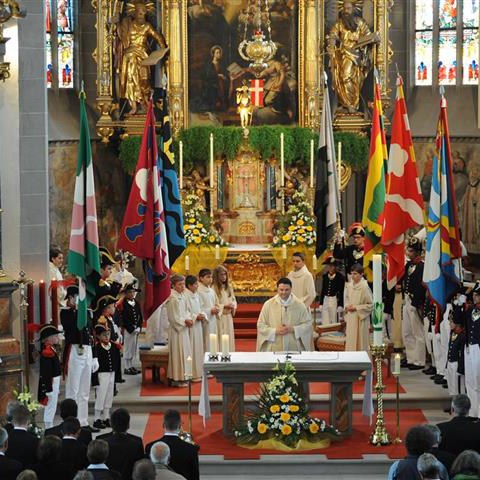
(216, 69)
(466, 178)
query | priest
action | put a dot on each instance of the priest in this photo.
(303, 285)
(284, 323)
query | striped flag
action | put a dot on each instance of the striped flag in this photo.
(443, 239)
(404, 201)
(372, 219)
(83, 254)
(327, 206)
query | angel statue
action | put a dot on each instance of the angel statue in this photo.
(350, 48)
(134, 59)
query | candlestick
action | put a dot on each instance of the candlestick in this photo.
(311, 161)
(189, 368)
(213, 343)
(211, 162)
(187, 263)
(396, 367)
(282, 162)
(42, 302)
(377, 315)
(217, 252)
(225, 344)
(284, 252)
(314, 263)
(180, 161)
(380, 435)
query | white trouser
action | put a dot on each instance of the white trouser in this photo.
(472, 377)
(103, 402)
(444, 341)
(428, 335)
(437, 353)
(129, 348)
(329, 310)
(51, 406)
(79, 377)
(456, 382)
(413, 334)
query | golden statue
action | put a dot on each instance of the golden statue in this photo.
(351, 56)
(133, 60)
(245, 108)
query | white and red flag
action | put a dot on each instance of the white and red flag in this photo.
(404, 202)
(256, 91)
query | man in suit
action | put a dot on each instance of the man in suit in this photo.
(461, 432)
(125, 449)
(160, 457)
(9, 468)
(69, 408)
(22, 445)
(97, 454)
(183, 455)
(74, 452)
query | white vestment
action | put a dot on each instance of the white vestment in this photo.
(358, 295)
(303, 286)
(225, 316)
(276, 313)
(196, 333)
(207, 301)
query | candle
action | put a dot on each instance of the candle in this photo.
(282, 162)
(180, 155)
(396, 367)
(187, 263)
(284, 252)
(213, 343)
(377, 300)
(314, 263)
(42, 302)
(211, 160)
(189, 368)
(217, 252)
(54, 303)
(311, 161)
(225, 344)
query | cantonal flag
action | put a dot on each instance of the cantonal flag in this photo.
(372, 219)
(404, 202)
(83, 253)
(256, 91)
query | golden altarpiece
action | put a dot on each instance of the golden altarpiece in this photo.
(243, 200)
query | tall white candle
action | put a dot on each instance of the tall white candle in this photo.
(187, 263)
(339, 162)
(282, 162)
(189, 367)
(314, 263)
(180, 161)
(211, 160)
(396, 368)
(213, 343)
(225, 344)
(284, 252)
(217, 252)
(377, 296)
(311, 162)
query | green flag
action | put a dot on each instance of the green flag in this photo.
(83, 254)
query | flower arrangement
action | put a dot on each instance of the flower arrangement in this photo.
(198, 227)
(25, 397)
(282, 414)
(298, 225)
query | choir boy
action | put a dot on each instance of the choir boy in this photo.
(207, 301)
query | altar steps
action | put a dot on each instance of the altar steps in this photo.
(245, 321)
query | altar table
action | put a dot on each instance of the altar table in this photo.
(340, 369)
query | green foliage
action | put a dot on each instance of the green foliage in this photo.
(265, 139)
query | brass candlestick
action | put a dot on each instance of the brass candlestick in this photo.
(397, 438)
(380, 435)
(188, 436)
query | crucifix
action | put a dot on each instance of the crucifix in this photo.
(246, 202)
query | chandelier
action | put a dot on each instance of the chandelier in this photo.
(260, 48)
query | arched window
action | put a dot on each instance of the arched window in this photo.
(60, 46)
(446, 42)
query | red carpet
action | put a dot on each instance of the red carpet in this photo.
(212, 442)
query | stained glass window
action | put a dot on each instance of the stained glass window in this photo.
(452, 65)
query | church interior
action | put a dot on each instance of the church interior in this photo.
(263, 215)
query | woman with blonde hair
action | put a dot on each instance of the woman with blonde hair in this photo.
(225, 299)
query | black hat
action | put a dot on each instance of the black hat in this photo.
(356, 229)
(99, 329)
(415, 244)
(103, 302)
(47, 331)
(131, 286)
(106, 258)
(72, 290)
(331, 260)
(476, 288)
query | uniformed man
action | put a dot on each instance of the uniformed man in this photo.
(413, 333)
(106, 285)
(351, 254)
(331, 296)
(472, 352)
(131, 320)
(455, 356)
(78, 359)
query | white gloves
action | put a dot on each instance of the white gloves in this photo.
(95, 365)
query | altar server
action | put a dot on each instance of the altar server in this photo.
(131, 320)
(180, 323)
(207, 302)
(456, 347)
(303, 284)
(351, 254)
(227, 304)
(414, 298)
(78, 359)
(196, 332)
(49, 379)
(284, 323)
(358, 301)
(108, 354)
(331, 297)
